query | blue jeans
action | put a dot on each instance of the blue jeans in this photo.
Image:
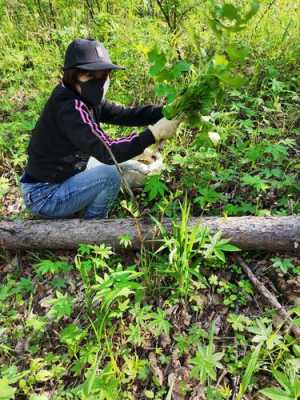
(93, 190)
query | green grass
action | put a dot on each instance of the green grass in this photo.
(93, 324)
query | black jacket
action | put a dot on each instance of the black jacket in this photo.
(68, 132)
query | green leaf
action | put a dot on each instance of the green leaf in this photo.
(154, 187)
(62, 306)
(229, 11)
(158, 60)
(39, 397)
(251, 367)
(178, 68)
(219, 59)
(255, 181)
(4, 186)
(282, 379)
(71, 334)
(253, 10)
(52, 267)
(237, 53)
(6, 391)
(276, 394)
(230, 247)
(165, 90)
(235, 81)
(43, 375)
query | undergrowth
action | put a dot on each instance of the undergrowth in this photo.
(181, 321)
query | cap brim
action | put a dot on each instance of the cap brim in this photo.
(98, 67)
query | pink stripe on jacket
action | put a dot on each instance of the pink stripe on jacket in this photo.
(86, 118)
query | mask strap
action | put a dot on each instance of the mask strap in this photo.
(106, 86)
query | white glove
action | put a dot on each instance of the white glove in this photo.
(136, 170)
(164, 129)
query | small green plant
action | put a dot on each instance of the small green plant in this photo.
(207, 197)
(259, 184)
(101, 384)
(7, 392)
(264, 334)
(90, 261)
(155, 187)
(235, 293)
(188, 247)
(61, 306)
(239, 322)
(72, 335)
(251, 368)
(52, 267)
(206, 360)
(125, 240)
(114, 289)
(290, 386)
(230, 18)
(159, 323)
(285, 265)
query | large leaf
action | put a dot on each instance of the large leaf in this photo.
(276, 394)
(6, 391)
(251, 367)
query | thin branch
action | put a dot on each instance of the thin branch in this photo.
(165, 14)
(271, 299)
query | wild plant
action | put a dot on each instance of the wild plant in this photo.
(188, 247)
(207, 360)
(112, 294)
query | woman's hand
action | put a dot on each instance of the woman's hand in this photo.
(164, 129)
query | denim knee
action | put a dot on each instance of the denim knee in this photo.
(114, 177)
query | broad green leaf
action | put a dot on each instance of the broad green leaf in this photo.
(230, 247)
(164, 90)
(7, 392)
(251, 367)
(181, 66)
(43, 375)
(237, 53)
(282, 379)
(158, 60)
(155, 187)
(219, 59)
(276, 394)
(229, 11)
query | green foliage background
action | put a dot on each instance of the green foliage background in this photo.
(35, 34)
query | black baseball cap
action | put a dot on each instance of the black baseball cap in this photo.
(89, 55)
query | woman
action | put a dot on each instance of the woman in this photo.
(55, 183)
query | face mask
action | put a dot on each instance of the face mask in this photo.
(92, 91)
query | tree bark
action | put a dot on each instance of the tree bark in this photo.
(249, 233)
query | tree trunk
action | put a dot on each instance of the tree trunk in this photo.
(249, 233)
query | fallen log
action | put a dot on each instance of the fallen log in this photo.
(249, 233)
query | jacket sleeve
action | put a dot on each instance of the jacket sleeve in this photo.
(129, 116)
(77, 125)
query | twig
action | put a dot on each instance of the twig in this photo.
(128, 188)
(166, 15)
(236, 382)
(271, 299)
(221, 377)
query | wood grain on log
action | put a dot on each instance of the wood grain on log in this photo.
(248, 233)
